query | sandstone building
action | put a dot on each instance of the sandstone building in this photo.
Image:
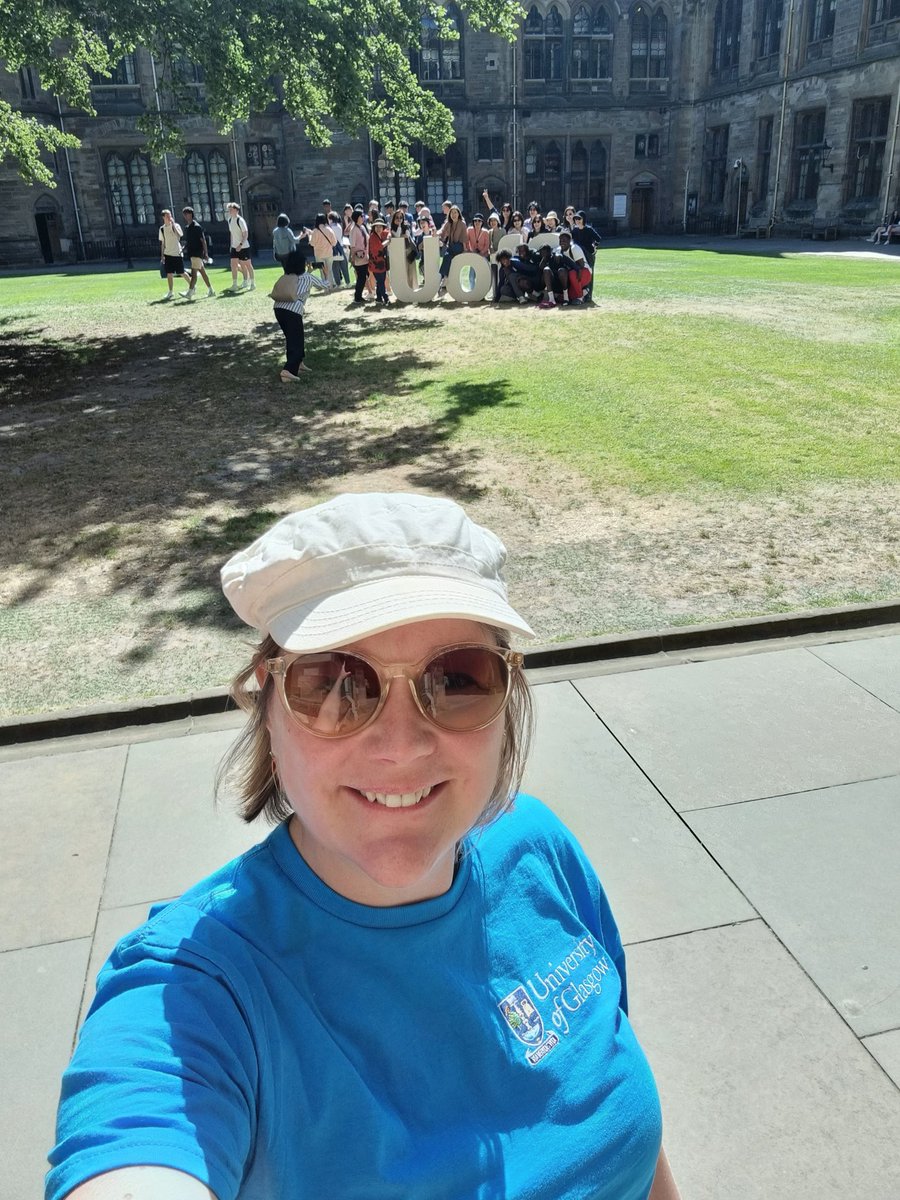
(654, 115)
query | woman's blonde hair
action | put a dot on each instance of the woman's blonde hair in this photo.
(249, 769)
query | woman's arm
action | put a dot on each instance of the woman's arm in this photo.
(142, 1183)
(664, 1186)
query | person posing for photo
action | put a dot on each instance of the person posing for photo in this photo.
(414, 987)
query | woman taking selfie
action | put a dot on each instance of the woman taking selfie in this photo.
(414, 988)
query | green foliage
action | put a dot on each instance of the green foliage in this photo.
(330, 64)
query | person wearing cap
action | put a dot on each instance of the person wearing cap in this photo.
(414, 986)
(378, 240)
(587, 237)
(533, 211)
(478, 239)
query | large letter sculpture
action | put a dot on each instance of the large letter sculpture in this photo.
(431, 266)
(431, 263)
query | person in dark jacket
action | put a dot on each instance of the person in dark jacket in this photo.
(507, 284)
(587, 237)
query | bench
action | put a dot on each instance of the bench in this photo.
(758, 227)
(824, 230)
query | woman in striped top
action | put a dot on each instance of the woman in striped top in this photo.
(289, 315)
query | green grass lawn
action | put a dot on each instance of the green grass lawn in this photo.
(717, 435)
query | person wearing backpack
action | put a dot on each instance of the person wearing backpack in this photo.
(171, 252)
(240, 249)
(290, 294)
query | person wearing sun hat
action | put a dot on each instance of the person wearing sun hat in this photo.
(414, 986)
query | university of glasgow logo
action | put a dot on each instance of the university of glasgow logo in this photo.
(525, 1021)
(522, 1017)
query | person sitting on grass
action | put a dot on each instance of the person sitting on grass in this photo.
(572, 259)
(290, 294)
(526, 266)
(554, 277)
(507, 284)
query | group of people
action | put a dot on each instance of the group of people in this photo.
(559, 270)
(549, 270)
(189, 243)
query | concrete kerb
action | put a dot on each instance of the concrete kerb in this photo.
(213, 701)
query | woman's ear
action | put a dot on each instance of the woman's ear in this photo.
(261, 674)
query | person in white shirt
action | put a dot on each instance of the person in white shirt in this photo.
(579, 273)
(171, 252)
(240, 249)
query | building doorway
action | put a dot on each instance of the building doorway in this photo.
(48, 236)
(642, 208)
(264, 213)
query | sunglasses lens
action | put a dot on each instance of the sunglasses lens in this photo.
(332, 693)
(464, 688)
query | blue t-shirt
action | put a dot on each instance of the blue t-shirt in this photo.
(276, 1040)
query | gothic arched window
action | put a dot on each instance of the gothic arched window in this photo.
(208, 184)
(440, 58)
(768, 30)
(726, 37)
(130, 189)
(543, 44)
(591, 44)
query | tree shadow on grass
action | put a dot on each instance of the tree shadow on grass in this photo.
(147, 436)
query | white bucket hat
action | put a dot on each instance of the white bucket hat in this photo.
(359, 564)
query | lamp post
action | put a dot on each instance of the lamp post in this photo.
(117, 205)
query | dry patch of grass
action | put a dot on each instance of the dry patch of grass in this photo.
(141, 443)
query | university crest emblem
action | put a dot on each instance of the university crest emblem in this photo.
(525, 1022)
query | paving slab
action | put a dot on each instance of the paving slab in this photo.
(886, 1049)
(41, 989)
(658, 876)
(56, 820)
(736, 729)
(822, 868)
(873, 664)
(170, 832)
(766, 1092)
